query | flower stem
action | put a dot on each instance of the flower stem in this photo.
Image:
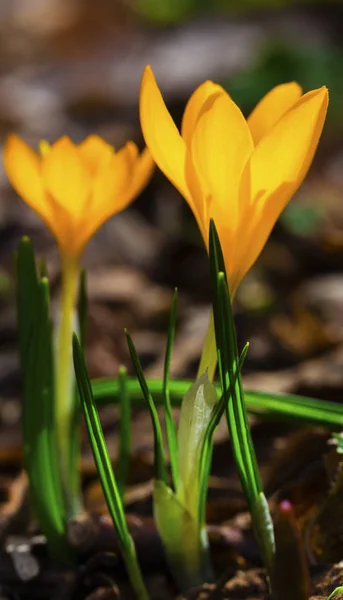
(208, 358)
(65, 389)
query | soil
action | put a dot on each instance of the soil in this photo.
(67, 77)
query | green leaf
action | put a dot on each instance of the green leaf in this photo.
(208, 359)
(82, 306)
(206, 451)
(217, 263)
(124, 432)
(205, 459)
(228, 363)
(185, 546)
(168, 414)
(27, 295)
(40, 454)
(105, 471)
(160, 461)
(197, 409)
(98, 444)
(285, 407)
(74, 477)
(264, 528)
(230, 378)
(338, 590)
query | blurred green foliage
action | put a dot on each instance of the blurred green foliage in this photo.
(301, 219)
(165, 11)
(312, 65)
(310, 62)
(170, 11)
(6, 284)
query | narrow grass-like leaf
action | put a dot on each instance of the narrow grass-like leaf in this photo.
(82, 307)
(98, 444)
(75, 431)
(284, 407)
(217, 263)
(228, 363)
(337, 590)
(228, 373)
(27, 295)
(206, 458)
(106, 475)
(160, 461)
(243, 356)
(230, 378)
(209, 355)
(40, 455)
(236, 410)
(171, 433)
(124, 432)
(206, 452)
(264, 529)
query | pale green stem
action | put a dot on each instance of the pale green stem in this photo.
(208, 358)
(65, 396)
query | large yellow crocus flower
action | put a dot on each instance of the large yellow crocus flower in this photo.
(240, 172)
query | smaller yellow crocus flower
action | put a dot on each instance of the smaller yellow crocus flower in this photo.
(76, 188)
(239, 172)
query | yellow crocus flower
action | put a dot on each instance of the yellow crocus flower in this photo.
(76, 188)
(240, 172)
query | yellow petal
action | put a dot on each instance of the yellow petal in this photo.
(271, 108)
(284, 155)
(142, 172)
(66, 230)
(95, 152)
(66, 177)
(221, 146)
(275, 171)
(113, 182)
(23, 168)
(161, 135)
(110, 190)
(200, 100)
(166, 145)
(44, 147)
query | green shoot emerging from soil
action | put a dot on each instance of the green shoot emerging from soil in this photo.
(106, 475)
(179, 507)
(230, 378)
(38, 431)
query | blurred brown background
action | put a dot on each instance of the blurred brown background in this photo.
(74, 67)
